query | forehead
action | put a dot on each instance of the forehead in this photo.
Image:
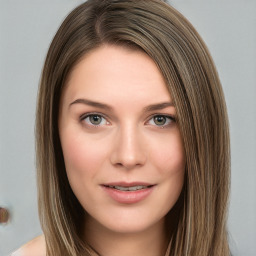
(110, 72)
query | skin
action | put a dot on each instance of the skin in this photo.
(35, 247)
(121, 142)
(128, 145)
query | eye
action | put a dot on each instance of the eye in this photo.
(161, 120)
(94, 120)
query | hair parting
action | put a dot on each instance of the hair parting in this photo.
(197, 223)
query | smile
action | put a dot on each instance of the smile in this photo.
(128, 193)
(132, 188)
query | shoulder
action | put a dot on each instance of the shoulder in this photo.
(35, 247)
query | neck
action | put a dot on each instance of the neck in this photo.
(150, 242)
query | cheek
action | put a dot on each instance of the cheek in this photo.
(169, 156)
(82, 157)
(171, 164)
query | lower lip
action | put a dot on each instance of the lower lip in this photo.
(128, 197)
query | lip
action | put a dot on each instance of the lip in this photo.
(127, 184)
(128, 197)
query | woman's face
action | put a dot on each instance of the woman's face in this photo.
(122, 148)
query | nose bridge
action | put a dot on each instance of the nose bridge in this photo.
(128, 148)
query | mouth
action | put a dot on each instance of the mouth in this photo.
(128, 188)
(128, 193)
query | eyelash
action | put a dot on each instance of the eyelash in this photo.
(88, 115)
(168, 119)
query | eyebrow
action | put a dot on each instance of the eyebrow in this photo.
(149, 108)
(91, 103)
(158, 106)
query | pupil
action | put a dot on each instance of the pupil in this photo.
(160, 120)
(95, 119)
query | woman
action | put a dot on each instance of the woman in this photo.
(132, 136)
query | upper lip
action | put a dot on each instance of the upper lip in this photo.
(128, 184)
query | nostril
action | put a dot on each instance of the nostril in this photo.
(127, 151)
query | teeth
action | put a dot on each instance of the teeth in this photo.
(134, 188)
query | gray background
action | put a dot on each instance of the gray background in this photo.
(26, 29)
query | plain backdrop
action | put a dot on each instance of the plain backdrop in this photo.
(26, 29)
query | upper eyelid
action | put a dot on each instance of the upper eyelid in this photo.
(83, 116)
(173, 117)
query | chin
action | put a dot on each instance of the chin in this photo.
(128, 221)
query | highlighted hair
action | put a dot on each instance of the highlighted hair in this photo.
(197, 223)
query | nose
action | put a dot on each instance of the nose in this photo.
(129, 150)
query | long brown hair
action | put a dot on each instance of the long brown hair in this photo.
(192, 80)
